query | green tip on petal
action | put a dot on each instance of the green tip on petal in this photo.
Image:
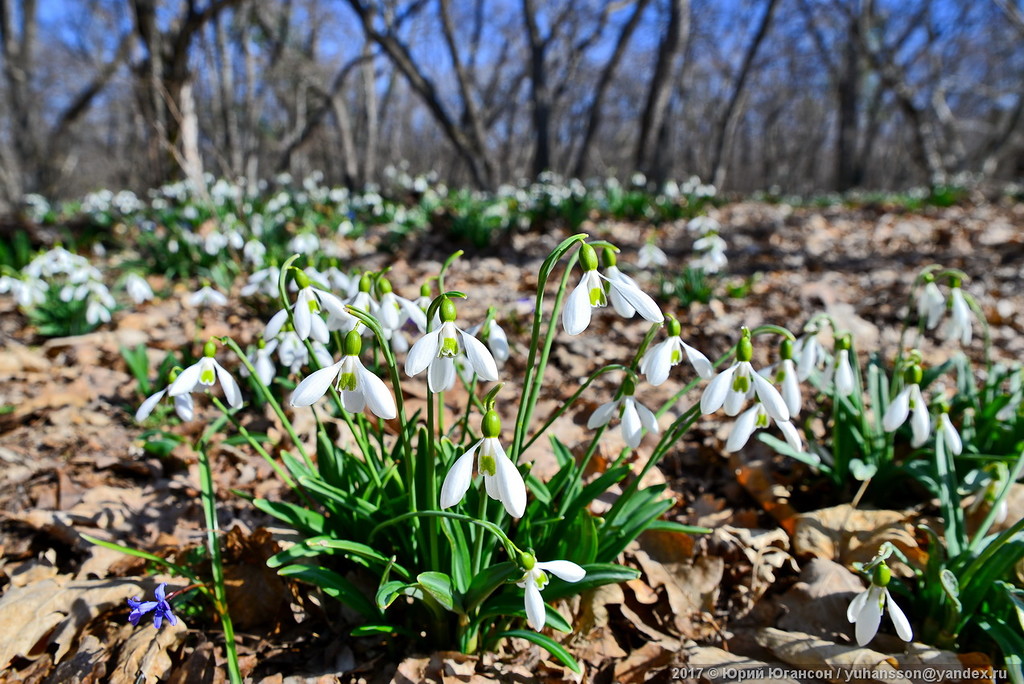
(353, 343)
(786, 349)
(210, 349)
(880, 575)
(491, 426)
(448, 312)
(588, 257)
(301, 279)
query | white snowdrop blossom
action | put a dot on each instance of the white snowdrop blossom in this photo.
(843, 380)
(183, 404)
(662, 357)
(494, 337)
(950, 437)
(435, 352)
(651, 255)
(787, 376)
(867, 607)
(958, 327)
(137, 288)
(359, 388)
(304, 243)
(263, 281)
(502, 480)
(393, 311)
(262, 362)
(537, 578)
(591, 292)
(254, 251)
(930, 303)
(734, 385)
(757, 418)
(306, 312)
(362, 300)
(207, 296)
(204, 374)
(910, 402)
(811, 355)
(634, 416)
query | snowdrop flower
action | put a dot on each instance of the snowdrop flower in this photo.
(160, 608)
(502, 479)
(930, 302)
(437, 350)
(254, 251)
(262, 362)
(950, 437)
(137, 288)
(204, 373)
(493, 336)
(843, 380)
(263, 281)
(613, 275)
(393, 311)
(811, 354)
(304, 243)
(651, 255)
(536, 579)
(754, 418)
(659, 359)
(635, 416)
(731, 387)
(362, 300)
(959, 325)
(207, 296)
(96, 313)
(787, 376)
(910, 402)
(867, 607)
(359, 388)
(307, 305)
(183, 404)
(1015, 393)
(591, 292)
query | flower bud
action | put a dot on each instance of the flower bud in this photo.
(608, 257)
(881, 575)
(447, 310)
(744, 348)
(913, 375)
(384, 286)
(588, 257)
(527, 560)
(673, 327)
(491, 425)
(353, 343)
(786, 349)
(365, 283)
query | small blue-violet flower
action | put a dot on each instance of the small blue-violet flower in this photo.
(160, 608)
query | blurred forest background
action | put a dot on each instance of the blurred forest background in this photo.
(799, 95)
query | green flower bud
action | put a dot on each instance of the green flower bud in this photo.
(447, 310)
(425, 290)
(353, 343)
(491, 425)
(628, 387)
(843, 342)
(588, 257)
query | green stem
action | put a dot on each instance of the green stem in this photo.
(512, 550)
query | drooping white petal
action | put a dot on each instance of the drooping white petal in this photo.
(602, 415)
(899, 619)
(330, 302)
(844, 380)
(422, 353)
(700, 363)
(897, 412)
(959, 326)
(576, 314)
(479, 357)
(184, 407)
(949, 435)
(870, 616)
(387, 311)
(714, 394)
(275, 324)
(734, 402)
(619, 303)
(378, 398)
(791, 434)
(791, 387)
(441, 374)
(563, 569)
(149, 404)
(511, 488)
(186, 381)
(657, 362)
(498, 342)
(742, 429)
(920, 420)
(231, 390)
(318, 331)
(353, 401)
(856, 605)
(458, 479)
(807, 357)
(647, 418)
(773, 402)
(639, 300)
(414, 313)
(301, 315)
(265, 369)
(536, 611)
(631, 426)
(930, 305)
(315, 385)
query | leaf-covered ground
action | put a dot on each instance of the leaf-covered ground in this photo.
(767, 589)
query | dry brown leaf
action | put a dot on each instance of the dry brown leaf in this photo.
(144, 656)
(847, 534)
(710, 664)
(817, 603)
(638, 665)
(809, 652)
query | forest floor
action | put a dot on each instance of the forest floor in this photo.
(761, 598)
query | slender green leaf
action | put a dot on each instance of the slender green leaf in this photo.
(439, 586)
(335, 586)
(296, 516)
(548, 644)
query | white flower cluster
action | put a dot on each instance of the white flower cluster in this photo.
(76, 278)
(710, 247)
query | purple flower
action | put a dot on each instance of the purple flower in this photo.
(160, 608)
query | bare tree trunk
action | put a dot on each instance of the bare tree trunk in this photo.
(372, 145)
(603, 81)
(192, 160)
(229, 112)
(540, 96)
(727, 122)
(17, 46)
(659, 92)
